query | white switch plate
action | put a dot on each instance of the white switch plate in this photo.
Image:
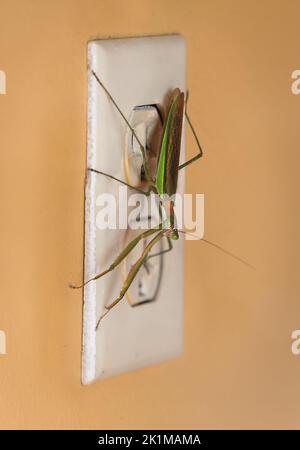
(136, 71)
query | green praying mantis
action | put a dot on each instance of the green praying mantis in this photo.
(163, 183)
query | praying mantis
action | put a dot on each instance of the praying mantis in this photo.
(163, 183)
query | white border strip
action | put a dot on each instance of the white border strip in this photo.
(89, 308)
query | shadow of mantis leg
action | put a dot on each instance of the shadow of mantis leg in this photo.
(147, 193)
(142, 148)
(170, 247)
(200, 154)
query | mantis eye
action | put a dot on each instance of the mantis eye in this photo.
(174, 235)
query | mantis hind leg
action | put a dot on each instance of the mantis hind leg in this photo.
(133, 272)
(121, 256)
(148, 266)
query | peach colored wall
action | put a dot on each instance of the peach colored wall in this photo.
(237, 369)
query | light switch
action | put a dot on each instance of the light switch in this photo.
(139, 73)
